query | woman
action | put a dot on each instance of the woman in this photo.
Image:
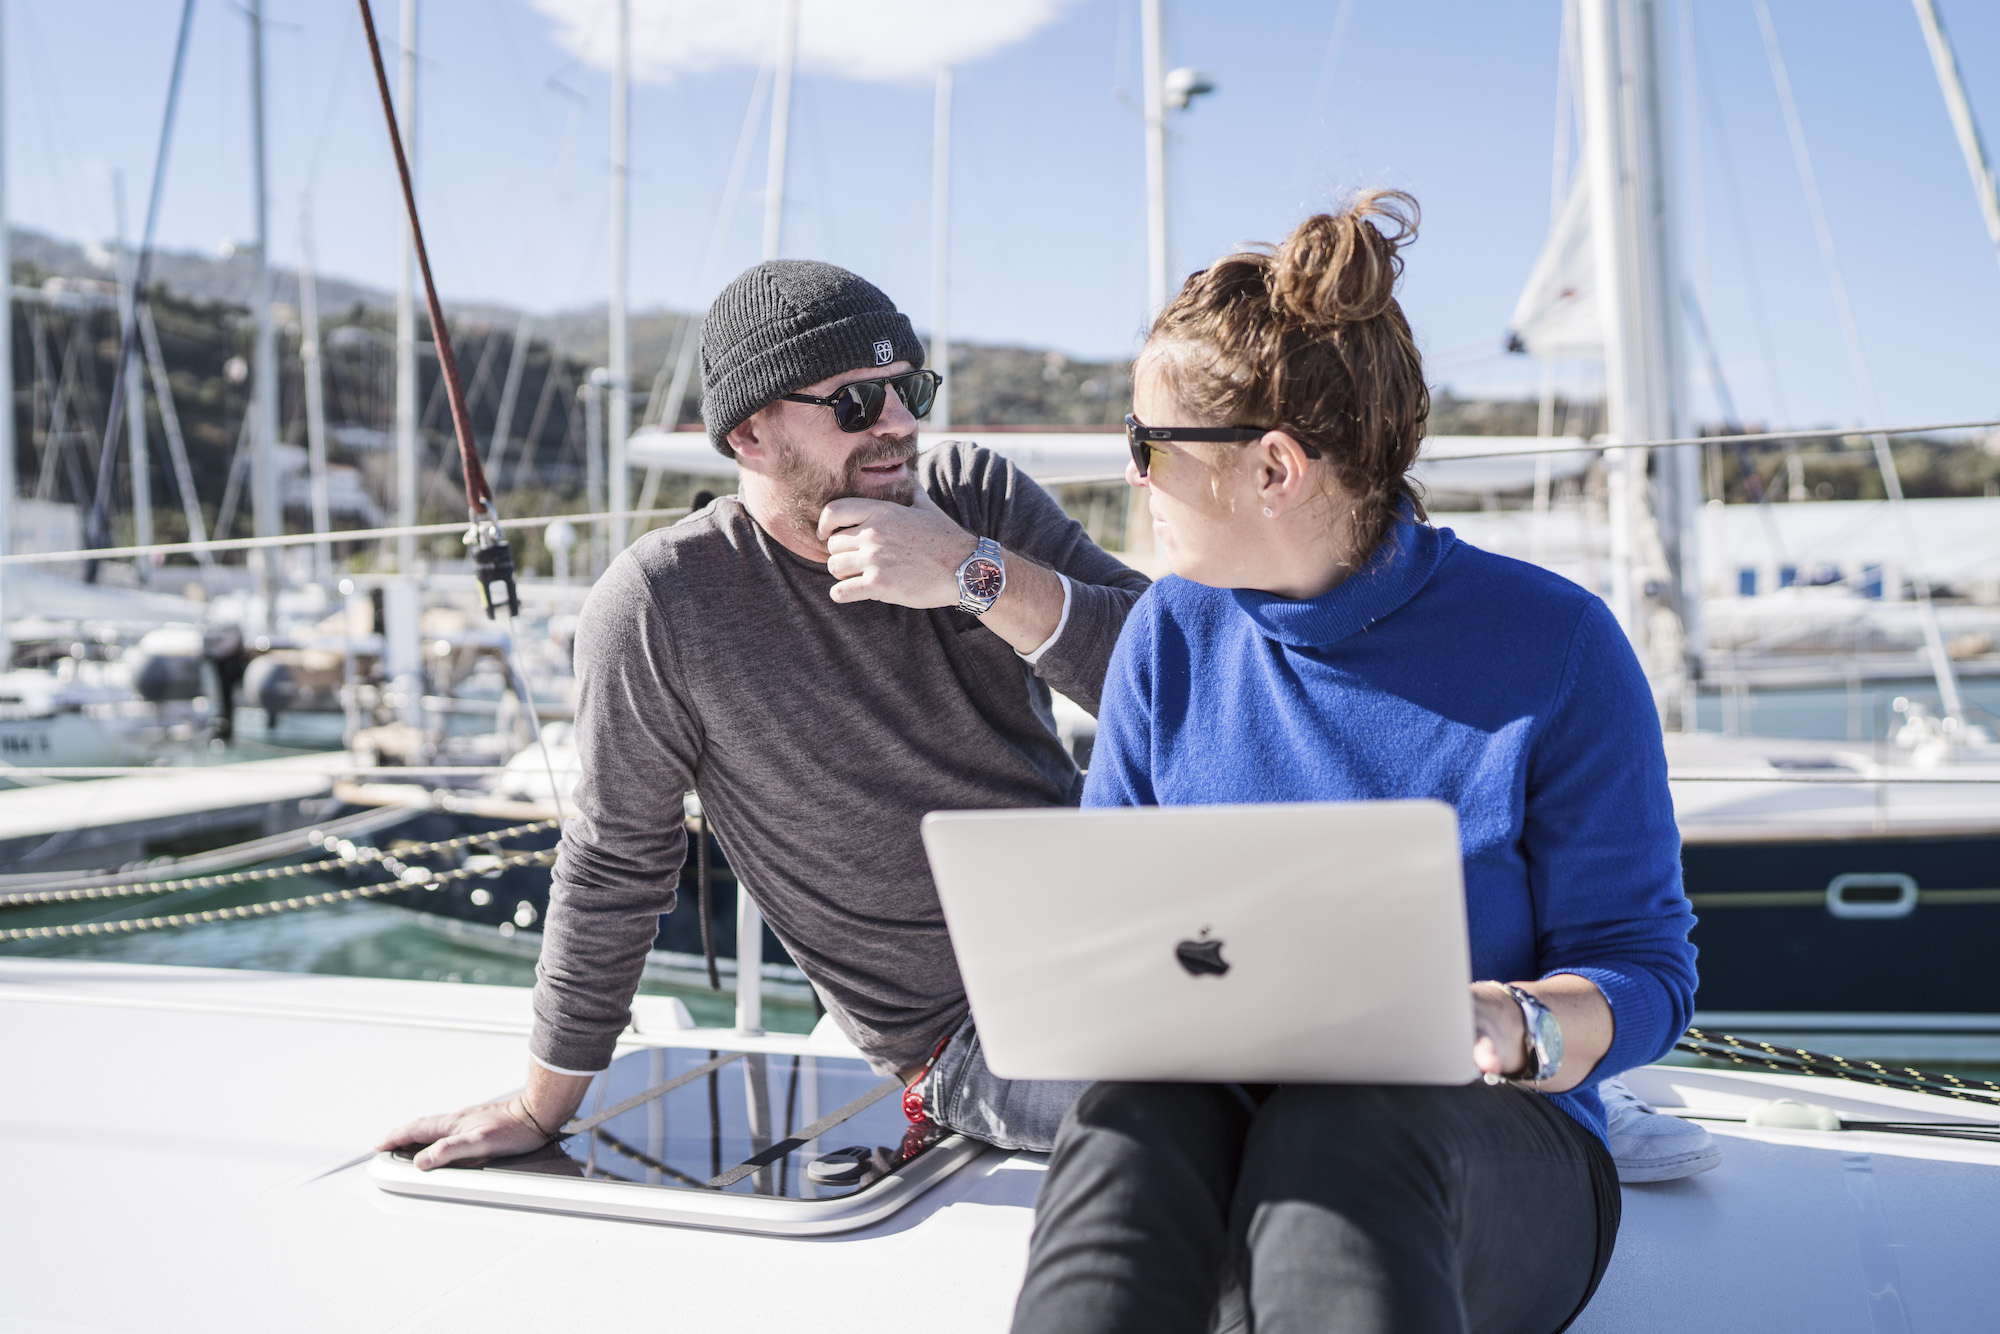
(1321, 642)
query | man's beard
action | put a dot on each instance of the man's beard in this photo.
(807, 489)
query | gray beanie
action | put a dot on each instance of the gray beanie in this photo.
(788, 323)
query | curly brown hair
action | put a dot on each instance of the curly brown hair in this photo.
(1306, 337)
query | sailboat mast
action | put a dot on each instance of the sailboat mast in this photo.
(1153, 71)
(749, 920)
(1625, 155)
(7, 479)
(406, 310)
(135, 385)
(781, 127)
(941, 250)
(264, 510)
(322, 518)
(619, 420)
(1960, 110)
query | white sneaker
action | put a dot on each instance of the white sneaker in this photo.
(1649, 1145)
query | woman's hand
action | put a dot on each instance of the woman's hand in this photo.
(1500, 1032)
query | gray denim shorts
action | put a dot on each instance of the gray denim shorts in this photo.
(961, 1094)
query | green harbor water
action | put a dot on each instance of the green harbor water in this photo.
(353, 939)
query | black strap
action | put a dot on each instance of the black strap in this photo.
(806, 1136)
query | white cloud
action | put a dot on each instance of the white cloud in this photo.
(880, 41)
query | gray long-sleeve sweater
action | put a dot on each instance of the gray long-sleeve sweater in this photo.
(710, 658)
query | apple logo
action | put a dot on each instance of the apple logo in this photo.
(1202, 957)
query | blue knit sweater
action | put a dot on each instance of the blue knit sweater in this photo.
(1438, 670)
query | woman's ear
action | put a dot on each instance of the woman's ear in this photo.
(1281, 475)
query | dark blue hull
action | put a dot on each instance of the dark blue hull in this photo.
(1770, 943)
(498, 900)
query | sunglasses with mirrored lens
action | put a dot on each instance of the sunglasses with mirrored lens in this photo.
(1141, 437)
(858, 406)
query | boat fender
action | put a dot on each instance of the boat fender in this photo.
(272, 685)
(1791, 1114)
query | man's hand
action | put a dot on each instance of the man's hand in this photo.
(469, 1137)
(519, 1124)
(907, 555)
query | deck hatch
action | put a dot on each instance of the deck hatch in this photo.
(714, 1139)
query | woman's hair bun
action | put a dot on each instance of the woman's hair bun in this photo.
(1337, 267)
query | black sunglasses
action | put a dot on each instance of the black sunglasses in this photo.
(1140, 437)
(858, 406)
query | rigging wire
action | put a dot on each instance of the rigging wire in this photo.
(1947, 679)
(1315, 117)
(517, 359)
(1559, 445)
(1746, 256)
(493, 557)
(665, 412)
(99, 534)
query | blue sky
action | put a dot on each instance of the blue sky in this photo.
(1453, 100)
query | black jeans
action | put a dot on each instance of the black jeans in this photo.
(1354, 1208)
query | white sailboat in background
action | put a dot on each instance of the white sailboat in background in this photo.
(1857, 568)
(1838, 904)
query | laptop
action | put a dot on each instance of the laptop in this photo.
(1303, 943)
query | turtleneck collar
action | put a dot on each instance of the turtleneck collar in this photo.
(1404, 561)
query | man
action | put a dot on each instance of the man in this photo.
(860, 636)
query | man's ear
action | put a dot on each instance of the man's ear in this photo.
(751, 439)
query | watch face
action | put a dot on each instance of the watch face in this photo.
(982, 579)
(1550, 1040)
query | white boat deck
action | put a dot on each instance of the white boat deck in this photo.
(1768, 803)
(163, 793)
(185, 1149)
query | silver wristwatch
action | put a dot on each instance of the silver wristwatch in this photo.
(982, 577)
(1545, 1037)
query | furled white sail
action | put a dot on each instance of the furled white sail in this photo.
(1557, 316)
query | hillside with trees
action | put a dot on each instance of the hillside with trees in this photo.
(66, 342)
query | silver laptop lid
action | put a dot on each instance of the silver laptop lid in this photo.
(1319, 942)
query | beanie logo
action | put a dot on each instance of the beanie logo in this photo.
(884, 351)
